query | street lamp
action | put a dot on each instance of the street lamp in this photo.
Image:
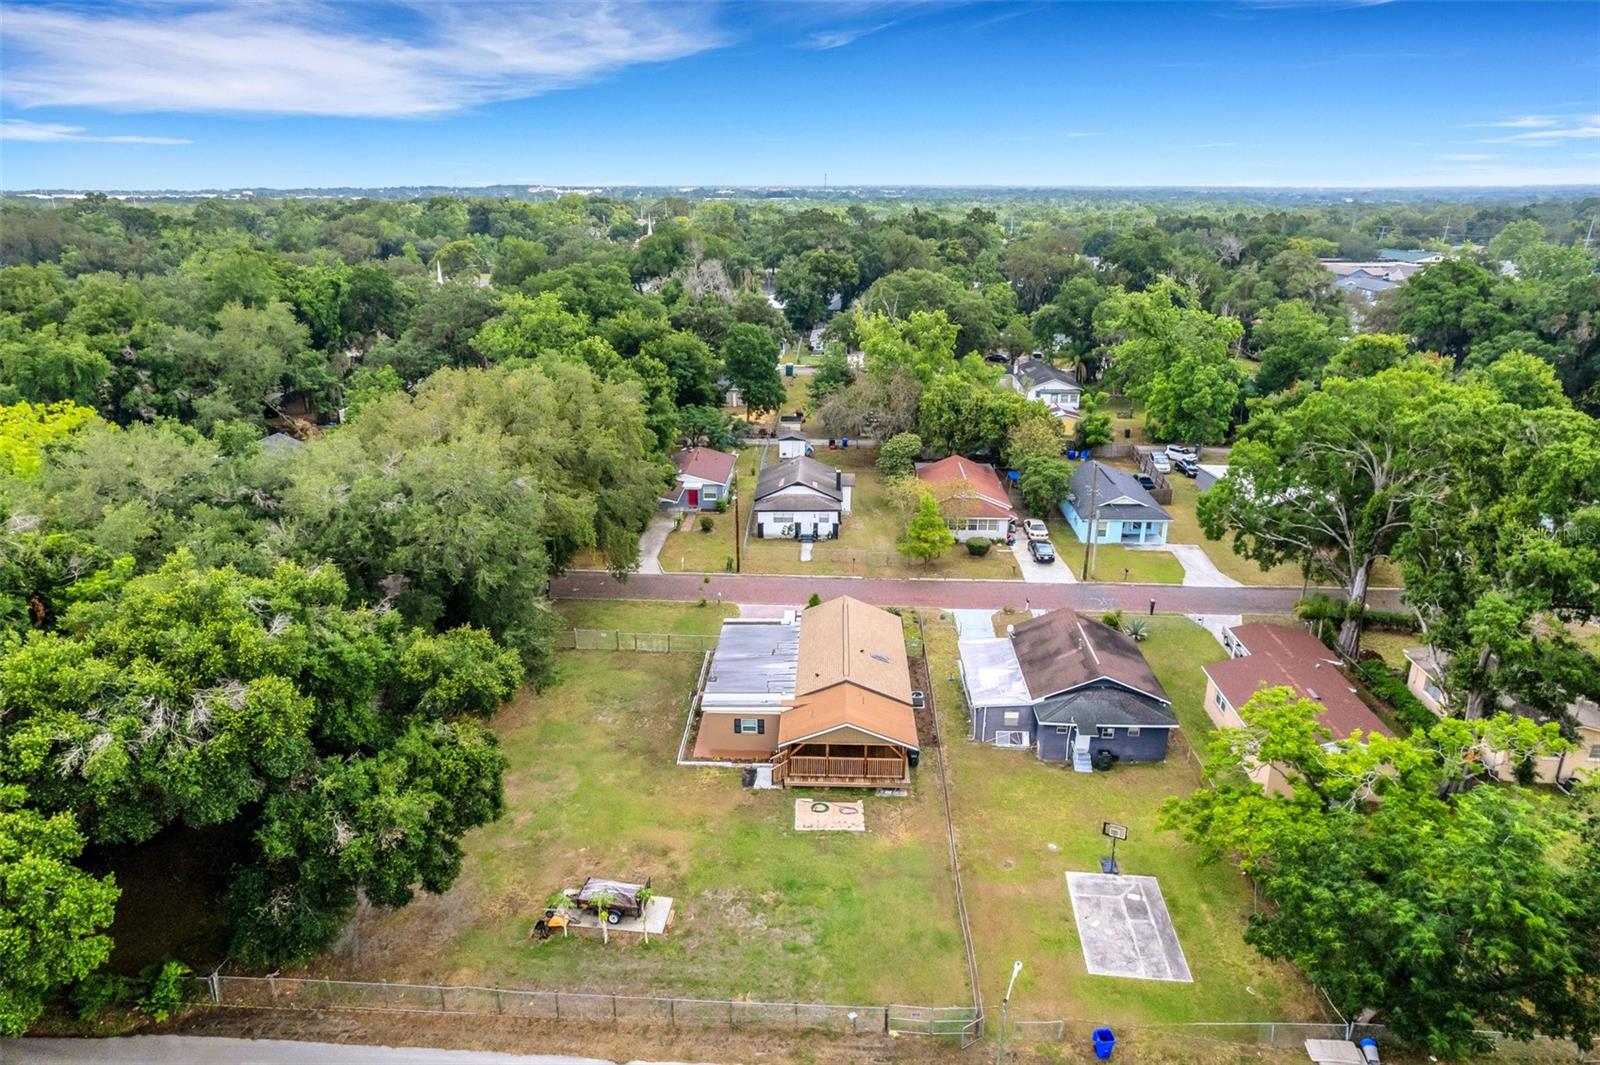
(1005, 1014)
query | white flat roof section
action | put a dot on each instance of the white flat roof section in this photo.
(753, 660)
(992, 674)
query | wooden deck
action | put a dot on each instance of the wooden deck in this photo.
(884, 767)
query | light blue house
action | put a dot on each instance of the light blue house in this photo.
(1126, 513)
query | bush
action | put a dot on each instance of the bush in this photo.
(898, 455)
(702, 601)
(1113, 618)
(166, 989)
(979, 546)
(99, 992)
(1138, 630)
(727, 563)
(706, 523)
(722, 505)
(1322, 607)
(1391, 688)
(815, 600)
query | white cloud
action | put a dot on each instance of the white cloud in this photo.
(1520, 122)
(20, 129)
(314, 58)
(826, 39)
(1543, 131)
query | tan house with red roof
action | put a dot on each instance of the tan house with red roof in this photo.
(705, 478)
(970, 496)
(1272, 656)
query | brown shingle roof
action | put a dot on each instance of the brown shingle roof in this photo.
(847, 706)
(843, 640)
(706, 463)
(1063, 649)
(988, 498)
(1280, 655)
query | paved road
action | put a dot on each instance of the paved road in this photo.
(992, 595)
(205, 1050)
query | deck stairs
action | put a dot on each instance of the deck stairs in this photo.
(1080, 754)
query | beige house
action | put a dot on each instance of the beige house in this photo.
(1425, 678)
(1272, 656)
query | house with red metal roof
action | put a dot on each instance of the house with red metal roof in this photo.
(970, 496)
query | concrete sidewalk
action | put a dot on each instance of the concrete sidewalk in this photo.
(944, 594)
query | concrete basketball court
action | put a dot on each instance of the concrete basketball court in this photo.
(1125, 928)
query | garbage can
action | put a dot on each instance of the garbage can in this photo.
(1104, 1041)
(788, 369)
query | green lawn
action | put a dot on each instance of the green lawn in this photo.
(761, 910)
(1023, 824)
(690, 550)
(1114, 562)
(640, 615)
(1391, 645)
(866, 543)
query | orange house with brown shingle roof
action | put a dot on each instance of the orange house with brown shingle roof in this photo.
(851, 723)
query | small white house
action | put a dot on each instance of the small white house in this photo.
(801, 499)
(1038, 380)
(792, 444)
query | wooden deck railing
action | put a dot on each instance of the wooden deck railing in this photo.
(808, 767)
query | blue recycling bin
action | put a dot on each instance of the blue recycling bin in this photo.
(1104, 1041)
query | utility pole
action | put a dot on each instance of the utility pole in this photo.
(1094, 515)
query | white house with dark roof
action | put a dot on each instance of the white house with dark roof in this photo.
(1056, 388)
(1125, 512)
(801, 499)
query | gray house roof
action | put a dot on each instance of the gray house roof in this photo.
(802, 472)
(1063, 650)
(1097, 706)
(1117, 497)
(1363, 283)
(1035, 373)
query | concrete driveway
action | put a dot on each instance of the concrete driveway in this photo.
(1057, 572)
(653, 540)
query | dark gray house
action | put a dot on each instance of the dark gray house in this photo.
(1069, 687)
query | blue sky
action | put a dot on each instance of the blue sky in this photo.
(1270, 92)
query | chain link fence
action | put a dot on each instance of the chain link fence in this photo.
(279, 992)
(617, 640)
